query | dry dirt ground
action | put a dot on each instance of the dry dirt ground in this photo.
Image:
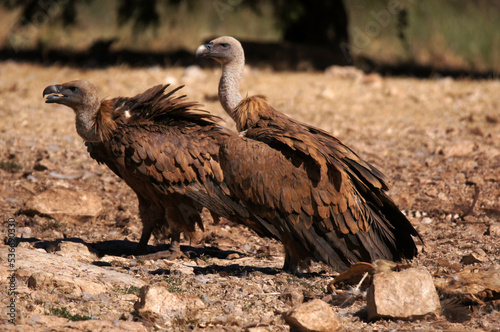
(437, 140)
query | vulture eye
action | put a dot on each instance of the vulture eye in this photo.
(73, 89)
(224, 45)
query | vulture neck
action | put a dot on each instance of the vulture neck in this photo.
(86, 125)
(229, 85)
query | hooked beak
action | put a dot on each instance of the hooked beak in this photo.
(53, 93)
(204, 50)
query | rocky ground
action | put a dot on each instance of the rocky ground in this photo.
(437, 140)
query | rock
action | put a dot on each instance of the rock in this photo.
(472, 284)
(473, 258)
(77, 251)
(40, 270)
(56, 203)
(328, 93)
(115, 261)
(180, 269)
(426, 221)
(258, 329)
(494, 230)
(293, 295)
(492, 119)
(408, 294)
(53, 323)
(459, 149)
(232, 256)
(345, 72)
(156, 303)
(315, 315)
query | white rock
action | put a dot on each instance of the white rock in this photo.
(408, 294)
(426, 221)
(459, 149)
(40, 269)
(315, 315)
(75, 250)
(53, 323)
(345, 72)
(155, 302)
(65, 202)
(293, 295)
(494, 230)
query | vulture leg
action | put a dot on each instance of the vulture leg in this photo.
(175, 246)
(291, 265)
(152, 216)
(141, 248)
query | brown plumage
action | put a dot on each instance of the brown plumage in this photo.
(165, 148)
(328, 203)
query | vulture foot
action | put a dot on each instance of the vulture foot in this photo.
(173, 253)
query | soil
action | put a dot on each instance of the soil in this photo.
(437, 140)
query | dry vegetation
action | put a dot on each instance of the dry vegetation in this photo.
(437, 140)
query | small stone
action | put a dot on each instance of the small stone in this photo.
(459, 149)
(473, 258)
(43, 165)
(470, 219)
(345, 72)
(494, 230)
(407, 295)
(293, 296)
(158, 304)
(492, 119)
(315, 315)
(426, 221)
(181, 269)
(116, 261)
(258, 329)
(77, 251)
(64, 202)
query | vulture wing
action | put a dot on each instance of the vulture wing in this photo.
(183, 162)
(326, 192)
(314, 219)
(165, 148)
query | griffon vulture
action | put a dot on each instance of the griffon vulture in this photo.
(166, 149)
(340, 204)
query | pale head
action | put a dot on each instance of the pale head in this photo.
(83, 98)
(78, 95)
(223, 50)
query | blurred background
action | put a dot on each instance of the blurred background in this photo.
(415, 37)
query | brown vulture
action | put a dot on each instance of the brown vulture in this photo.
(337, 207)
(166, 149)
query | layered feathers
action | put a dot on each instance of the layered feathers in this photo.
(332, 201)
(166, 149)
(283, 179)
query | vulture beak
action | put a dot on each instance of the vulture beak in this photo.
(53, 93)
(204, 50)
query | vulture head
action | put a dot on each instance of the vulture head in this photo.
(83, 98)
(74, 94)
(223, 50)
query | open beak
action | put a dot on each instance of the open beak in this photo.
(53, 93)
(204, 50)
